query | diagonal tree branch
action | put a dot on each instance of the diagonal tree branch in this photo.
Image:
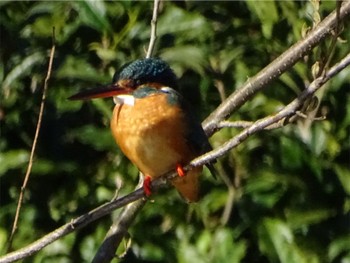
(226, 108)
(161, 182)
(272, 71)
(286, 112)
(73, 225)
(119, 229)
(276, 68)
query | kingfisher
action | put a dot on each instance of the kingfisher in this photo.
(154, 125)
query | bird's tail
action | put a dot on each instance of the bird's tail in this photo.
(188, 185)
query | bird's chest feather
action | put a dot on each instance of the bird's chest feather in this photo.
(151, 133)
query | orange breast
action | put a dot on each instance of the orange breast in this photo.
(152, 134)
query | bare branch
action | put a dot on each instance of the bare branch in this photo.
(162, 182)
(36, 135)
(286, 112)
(153, 29)
(119, 229)
(74, 225)
(255, 84)
(276, 68)
(234, 124)
(245, 124)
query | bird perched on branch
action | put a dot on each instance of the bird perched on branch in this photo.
(153, 124)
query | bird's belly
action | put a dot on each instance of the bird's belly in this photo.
(150, 134)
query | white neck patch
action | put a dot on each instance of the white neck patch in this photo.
(124, 99)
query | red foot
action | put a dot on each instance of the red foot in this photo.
(147, 185)
(180, 170)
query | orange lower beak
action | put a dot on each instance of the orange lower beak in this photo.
(100, 92)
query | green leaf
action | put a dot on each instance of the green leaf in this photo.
(292, 156)
(195, 58)
(222, 61)
(104, 107)
(42, 27)
(22, 69)
(338, 247)
(276, 240)
(99, 138)
(267, 13)
(265, 189)
(93, 13)
(343, 173)
(217, 246)
(189, 25)
(298, 219)
(224, 249)
(78, 68)
(13, 159)
(105, 53)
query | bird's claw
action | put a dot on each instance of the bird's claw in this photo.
(147, 185)
(180, 170)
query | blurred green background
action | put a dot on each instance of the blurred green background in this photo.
(285, 193)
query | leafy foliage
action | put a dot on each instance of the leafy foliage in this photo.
(285, 193)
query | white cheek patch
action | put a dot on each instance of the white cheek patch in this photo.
(166, 89)
(124, 99)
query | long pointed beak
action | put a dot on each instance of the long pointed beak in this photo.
(100, 92)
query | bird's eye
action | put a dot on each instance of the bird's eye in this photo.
(128, 83)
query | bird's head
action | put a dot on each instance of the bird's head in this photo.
(150, 72)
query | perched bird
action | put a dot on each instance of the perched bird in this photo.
(153, 125)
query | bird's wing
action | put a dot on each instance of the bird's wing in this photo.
(195, 134)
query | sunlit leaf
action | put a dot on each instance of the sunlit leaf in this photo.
(277, 242)
(22, 69)
(93, 13)
(267, 13)
(298, 219)
(189, 25)
(195, 58)
(265, 189)
(13, 159)
(339, 247)
(343, 173)
(74, 68)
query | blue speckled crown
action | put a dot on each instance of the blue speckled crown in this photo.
(148, 70)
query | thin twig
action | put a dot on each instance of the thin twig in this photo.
(220, 86)
(161, 182)
(231, 193)
(153, 29)
(31, 157)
